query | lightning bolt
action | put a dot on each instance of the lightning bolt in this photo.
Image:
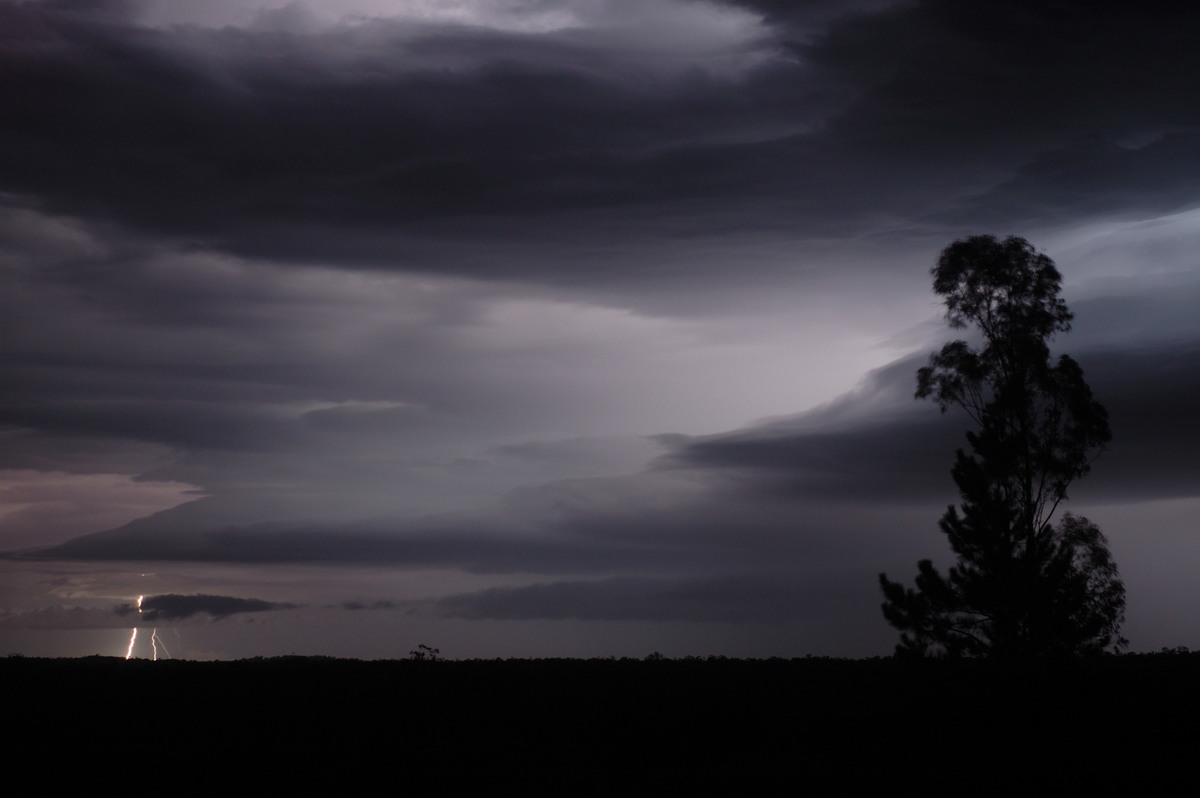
(155, 643)
(133, 632)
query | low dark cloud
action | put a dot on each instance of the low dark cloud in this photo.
(890, 451)
(172, 607)
(1151, 394)
(1155, 172)
(59, 617)
(732, 599)
(378, 604)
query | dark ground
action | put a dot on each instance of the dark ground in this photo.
(610, 727)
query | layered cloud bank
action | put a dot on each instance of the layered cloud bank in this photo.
(565, 314)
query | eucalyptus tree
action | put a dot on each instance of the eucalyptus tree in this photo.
(1021, 585)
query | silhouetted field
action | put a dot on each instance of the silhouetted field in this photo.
(608, 727)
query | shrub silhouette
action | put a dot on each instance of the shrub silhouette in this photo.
(424, 653)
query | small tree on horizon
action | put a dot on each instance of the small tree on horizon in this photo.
(1021, 586)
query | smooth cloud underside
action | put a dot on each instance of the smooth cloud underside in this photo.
(171, 607)
(164, 609)
(727, 599)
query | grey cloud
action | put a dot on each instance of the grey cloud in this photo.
(1025, 102)
(155, 609)
(472, 544)
(237, 356)
(379, 604)
(1095, 175)
(1017, 69)
(733, 599)
(118, 11)
(254, 146)
(874, 444)
(184, 424)
(28, 449)
(171, 607)
(59, 617)
(1149, 392)
(341, 149)
(830, 484)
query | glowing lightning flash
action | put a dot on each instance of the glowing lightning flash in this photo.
(155, 641)
(133, 632)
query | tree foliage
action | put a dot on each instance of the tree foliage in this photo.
(1021, 586)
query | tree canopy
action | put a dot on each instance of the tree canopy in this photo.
(1021, 586)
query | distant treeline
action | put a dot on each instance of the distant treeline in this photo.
(601, 726)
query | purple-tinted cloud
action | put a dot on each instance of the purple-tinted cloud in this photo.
(172, 607)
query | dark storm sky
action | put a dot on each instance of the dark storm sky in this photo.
(535, 327)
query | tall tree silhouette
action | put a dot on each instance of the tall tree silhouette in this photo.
(1021, 586)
